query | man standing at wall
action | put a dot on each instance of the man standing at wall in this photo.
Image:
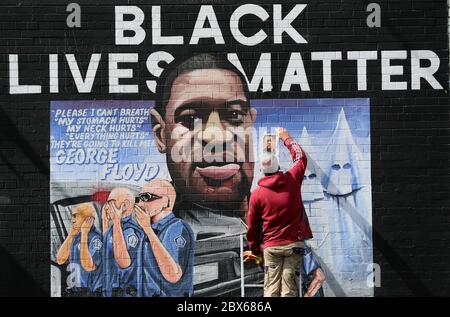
(276, 206)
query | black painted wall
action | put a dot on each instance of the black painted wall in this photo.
(409, 137)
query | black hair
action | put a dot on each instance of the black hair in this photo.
(194, 62)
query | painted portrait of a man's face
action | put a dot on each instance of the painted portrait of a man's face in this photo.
(209, 161)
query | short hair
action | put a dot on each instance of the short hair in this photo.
(85, 210)
(198, 61)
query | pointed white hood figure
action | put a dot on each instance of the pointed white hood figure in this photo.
(312, 189)
(342, 185)
(342, 168)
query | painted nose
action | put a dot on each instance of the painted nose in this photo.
(215, 131)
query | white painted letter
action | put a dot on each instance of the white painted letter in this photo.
(295, 74)
(281, 25)
(234, 24)
(83, 85)
(362, 57)
(115, 73)
(14, 86)
(53, 72)
(262, 72)
(326, 58)
(207, 13)
(426, 73)
(133, 25)
(387, 70)
(157, 38)
(153, 61)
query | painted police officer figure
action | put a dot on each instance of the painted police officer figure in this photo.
(82, 250)
(168, 251)
(123, 246)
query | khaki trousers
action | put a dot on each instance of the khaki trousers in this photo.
(282, 270)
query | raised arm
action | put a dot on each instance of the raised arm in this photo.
(121, 254)
(298, 155)
(105, 219)
(64, 250)
(85, 256)
(170, 269)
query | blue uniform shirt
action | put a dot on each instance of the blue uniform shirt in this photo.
(128, 280)
(178, 239)
(90, 280)
(310, 262)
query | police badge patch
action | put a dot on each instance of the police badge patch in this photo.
(97, 244)
(132, 240)
(180, 241)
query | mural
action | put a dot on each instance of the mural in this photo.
(96, 174)
(150, 197)
(336, 189)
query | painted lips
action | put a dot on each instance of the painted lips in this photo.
(219, 172)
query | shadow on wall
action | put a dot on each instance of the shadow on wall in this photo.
(14, 278)
(398, 264)
(16, 281)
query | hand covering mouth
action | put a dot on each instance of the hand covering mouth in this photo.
(219, 172)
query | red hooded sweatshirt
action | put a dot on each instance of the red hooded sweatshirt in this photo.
(276, 206)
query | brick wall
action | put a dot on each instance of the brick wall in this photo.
(409, 129)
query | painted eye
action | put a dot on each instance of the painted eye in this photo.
(336, 167)
(312, 176)
(235, 116)
(188, 120)
(347, 166)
